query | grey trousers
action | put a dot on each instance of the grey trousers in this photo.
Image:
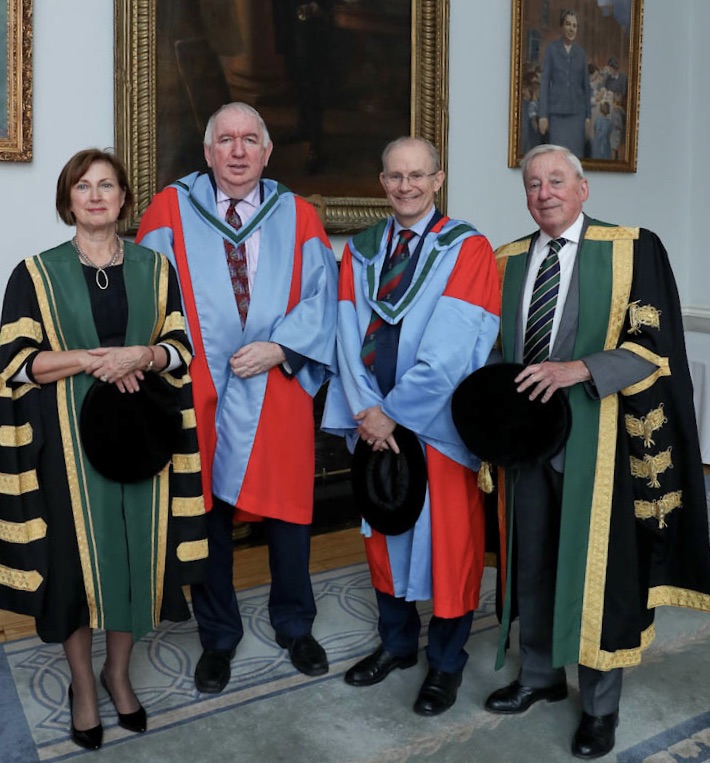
(538, 499)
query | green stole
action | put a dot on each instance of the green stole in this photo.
(597, 269)
(124, 591)
(368, 244)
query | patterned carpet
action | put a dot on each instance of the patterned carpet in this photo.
(270, 713)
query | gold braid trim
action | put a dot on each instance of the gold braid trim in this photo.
(186, 463)
(174, 322)
(595, 581)
(188, 507)
(513, 248)
(189, 420)
(15, 437)
(660, 508)
(18, 484)
(20, 580)
(616, 233)
(23, 532)
(27, 328)
(161, 268)
(622, 658)
(171, 380)
(15, 364)
(646, 425)
(193, 550)
(18, 392)
(670, 596)
(663, 368)
(651, 466)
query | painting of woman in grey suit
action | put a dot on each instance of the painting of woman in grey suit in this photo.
(565, 93)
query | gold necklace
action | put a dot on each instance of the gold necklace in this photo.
(101, 274)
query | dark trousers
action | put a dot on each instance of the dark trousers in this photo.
(399, 627)
(292, 607)
(538, 504)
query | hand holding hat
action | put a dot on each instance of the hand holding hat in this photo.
(508, 427)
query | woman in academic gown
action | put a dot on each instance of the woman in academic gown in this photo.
(78, 550)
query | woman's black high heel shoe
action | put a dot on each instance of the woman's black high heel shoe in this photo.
(90, 739)
(136, 721)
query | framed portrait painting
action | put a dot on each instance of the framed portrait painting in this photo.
(335, 80)
(575, 80)
(15, 80)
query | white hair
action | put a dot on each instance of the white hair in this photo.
(241, 108)
(548, 148)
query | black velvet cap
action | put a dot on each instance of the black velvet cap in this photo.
(390, 488)
(128, 437)
(503, 426)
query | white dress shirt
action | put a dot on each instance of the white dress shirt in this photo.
(566, 256)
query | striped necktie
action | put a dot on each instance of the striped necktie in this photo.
(392, 274)
(542, 306)
(237, 264)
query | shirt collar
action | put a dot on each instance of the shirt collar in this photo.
(572, 234)
(419, 227)
(251, 198)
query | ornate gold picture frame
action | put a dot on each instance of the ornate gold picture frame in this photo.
(386, 75)
(16, 84)
(575, 80)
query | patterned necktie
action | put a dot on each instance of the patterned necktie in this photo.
(542, 306)
(237, 264)
(392, 274)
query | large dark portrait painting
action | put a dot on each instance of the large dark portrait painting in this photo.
(334, 80)
(575, 79)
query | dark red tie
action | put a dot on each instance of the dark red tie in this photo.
(237, 263)
(392, 274)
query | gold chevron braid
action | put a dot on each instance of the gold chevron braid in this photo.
(652, 466)
(23, 532)
(25, 328)
(186, 463)
(643, 315)
(17, 484)
(646, 425)
(20, 580)
(188, 507)
(15, 437)
(659, 509)
(192, 551)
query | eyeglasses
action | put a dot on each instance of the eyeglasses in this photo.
(393, 179)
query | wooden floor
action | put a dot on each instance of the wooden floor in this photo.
(251, 568)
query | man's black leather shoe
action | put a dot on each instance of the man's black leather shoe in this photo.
(377, 666)
(213, 671)
(595, 735)
(306, 654)
(438, 692)
(516, 698)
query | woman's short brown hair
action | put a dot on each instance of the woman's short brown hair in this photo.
(73, 171)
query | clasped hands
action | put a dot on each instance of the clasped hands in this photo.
(377, 428)
(122, 366)
(256, 358)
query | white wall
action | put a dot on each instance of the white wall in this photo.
(697, 294)
(73, 108)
